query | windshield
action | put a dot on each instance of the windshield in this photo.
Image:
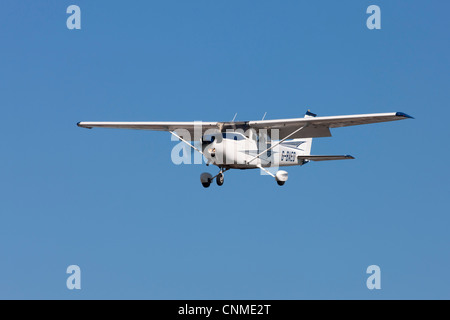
(233, 136)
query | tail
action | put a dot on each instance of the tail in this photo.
(304, 145)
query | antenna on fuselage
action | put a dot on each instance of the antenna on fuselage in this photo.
(234, 117)
(264, 116)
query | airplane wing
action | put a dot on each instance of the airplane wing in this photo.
(315, 126)
(177, 127)
(320, 126)
(324, 158)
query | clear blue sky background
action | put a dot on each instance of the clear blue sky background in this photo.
(112, 202)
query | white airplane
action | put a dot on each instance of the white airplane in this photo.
(255, 144)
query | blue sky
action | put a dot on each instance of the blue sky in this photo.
(112, 202)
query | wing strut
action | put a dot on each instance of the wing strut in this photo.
(190, 145)
(279, 142)
(267, 171)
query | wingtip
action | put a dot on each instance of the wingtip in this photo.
(349, 157)
(80, 124)
(404, 115)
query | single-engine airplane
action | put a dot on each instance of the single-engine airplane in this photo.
(255, 144)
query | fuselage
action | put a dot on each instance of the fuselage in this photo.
(237, 151)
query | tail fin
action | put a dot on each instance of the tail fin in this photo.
(304, 144)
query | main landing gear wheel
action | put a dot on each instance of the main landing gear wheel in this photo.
(220, 179)
(206, 184)
(206, 179)
(281, 177)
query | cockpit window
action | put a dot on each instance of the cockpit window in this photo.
(232, 136)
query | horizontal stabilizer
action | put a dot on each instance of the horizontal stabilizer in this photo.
(324, 158)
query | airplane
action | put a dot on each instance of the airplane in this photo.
(262, 144)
